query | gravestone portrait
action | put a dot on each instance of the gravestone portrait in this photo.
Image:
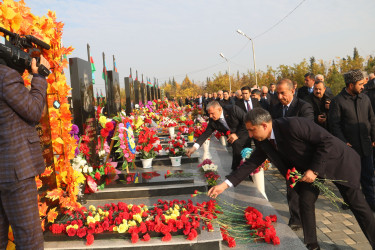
(83, 101)
(114, 94)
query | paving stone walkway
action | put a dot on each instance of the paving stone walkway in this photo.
(335, 229)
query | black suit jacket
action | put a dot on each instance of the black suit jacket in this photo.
(298, 107)
(234, 117)
(241, 103)
(303, 92)
(304, 145)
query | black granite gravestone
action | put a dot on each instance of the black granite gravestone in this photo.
(152, 93)
(114, 98)
(129, 96)
(83, 98)
(159, 96)
(148, 93)
(136, 92)
(143, 93)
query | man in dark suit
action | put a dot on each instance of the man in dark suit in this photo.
(226, 99)
(289, 106)
(320, 101)
(247, 103)
(20, 156)
(352, 119)
(313, 151)
(228, 120)
(255, 94)
(309, 86)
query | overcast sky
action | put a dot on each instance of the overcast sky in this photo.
(170, 38)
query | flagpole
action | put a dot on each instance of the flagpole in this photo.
(105, 78)
(88, 53)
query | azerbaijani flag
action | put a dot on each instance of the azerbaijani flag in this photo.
(104, 74)
(114, 66)
(93, 69)
(149, 83)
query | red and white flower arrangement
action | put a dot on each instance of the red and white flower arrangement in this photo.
(176, 146)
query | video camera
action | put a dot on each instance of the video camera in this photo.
(13, 55)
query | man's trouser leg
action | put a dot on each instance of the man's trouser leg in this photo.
(19, 202)
(361, 210)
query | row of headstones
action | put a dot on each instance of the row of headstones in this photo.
(83, 97)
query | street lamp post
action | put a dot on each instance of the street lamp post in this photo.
(230, 85)
(255, 67)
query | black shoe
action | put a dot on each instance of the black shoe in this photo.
(344, 206)
(313, 246)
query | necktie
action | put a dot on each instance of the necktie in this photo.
(248, 105)
(273, 143)
(285, 109)
(225, 124)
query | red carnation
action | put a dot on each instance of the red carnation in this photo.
(109, 126)
(146, 237)
(81, 232)
(97, 176)
(134, 238)
(167, 237)
(104, 133)
(89, 239)
(71, 231)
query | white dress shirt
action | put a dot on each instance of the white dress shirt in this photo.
(250, 103)
(271, 137)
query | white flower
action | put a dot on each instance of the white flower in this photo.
(90, 169)
(85, 169)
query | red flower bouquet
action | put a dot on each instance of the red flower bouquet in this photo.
(149, 144)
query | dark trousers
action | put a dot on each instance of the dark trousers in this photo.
(367, 179)
(237, 147)
(293, 203)
(19, 208)
(308, 194)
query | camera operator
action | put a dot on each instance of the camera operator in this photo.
(20, 156)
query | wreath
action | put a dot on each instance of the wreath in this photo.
(125, 141)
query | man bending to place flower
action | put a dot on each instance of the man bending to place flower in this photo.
(298, 142)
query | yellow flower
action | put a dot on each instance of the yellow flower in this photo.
(130, 206)
(137, 217)
(122, 228)
(71, 226)
(90, 219)
(176, 206)
(92, 208)
(97, 217)
(173, 216)
(102, 120)
(78, 176)
(115, 229)
(132, 223)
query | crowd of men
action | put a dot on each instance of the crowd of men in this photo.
(348, 116)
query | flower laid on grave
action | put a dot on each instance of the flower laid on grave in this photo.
(199, 129)
(163, 219)
(148, 144)
(246, 153)
(176, 146)
(294, 177)
(168, 122)
(210, 172)
(95, 180)
(107, 130)
(243, 224)
(125, 141)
